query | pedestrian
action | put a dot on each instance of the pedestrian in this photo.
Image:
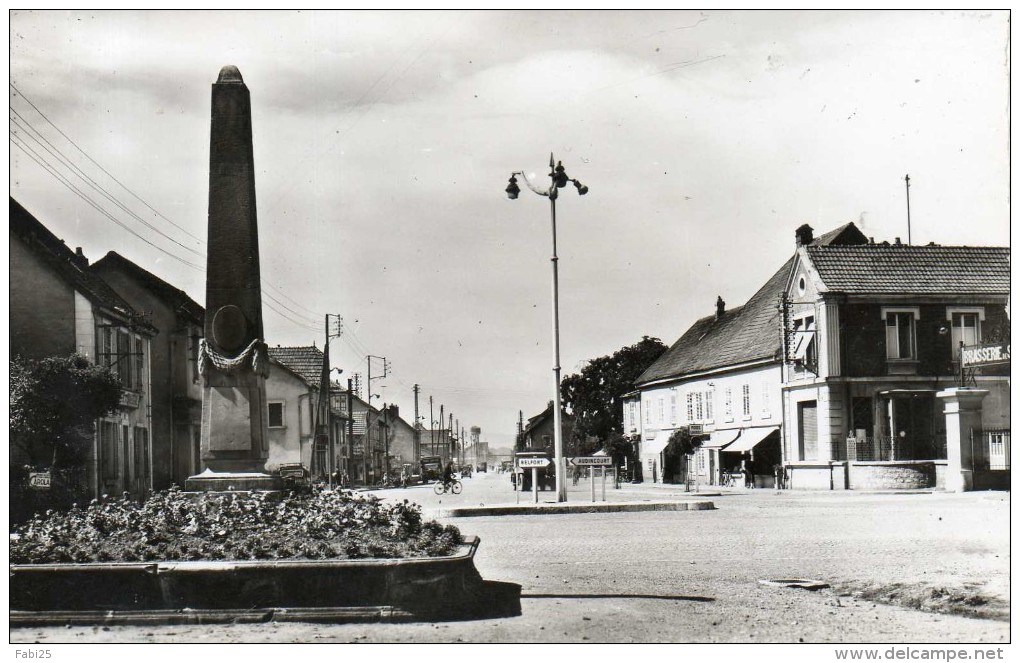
(745, 467)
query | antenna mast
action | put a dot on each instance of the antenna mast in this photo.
(907, 180)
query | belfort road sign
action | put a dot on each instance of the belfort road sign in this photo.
(532, 462)
(597, 461)
(985, 355)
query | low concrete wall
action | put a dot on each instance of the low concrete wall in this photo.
(892, 474)
(991, 480)
(810, 476)
(433, 587)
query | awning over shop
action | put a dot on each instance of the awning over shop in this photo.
(750, 438)
(656, 444)
(721, 438)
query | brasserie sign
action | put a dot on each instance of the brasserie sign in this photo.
(985, 355)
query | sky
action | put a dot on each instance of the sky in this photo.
(383, 142)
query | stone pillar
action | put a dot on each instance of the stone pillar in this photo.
(234, 358)
(963, 412)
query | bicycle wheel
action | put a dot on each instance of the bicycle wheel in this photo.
(457, 487)
(438, 488)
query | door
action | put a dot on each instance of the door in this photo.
(807, 429)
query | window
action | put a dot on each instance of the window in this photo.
(630, 415)
(899, 333)
(966, 327)
(747, 399)
(709, 397)
(662, 410)
(805, 350)
(108, 444)
(276, 414)
(690, 407)
(106, 354)
(672, 407)
(765, 398)
(648, 411)
(139, 364)
(701, 453)
(699, 408)
(124, 359)
(728, 402)
(193, 342)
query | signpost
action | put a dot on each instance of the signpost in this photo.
(39, 480)
(593, 462)
(987, 354)
(534, 464)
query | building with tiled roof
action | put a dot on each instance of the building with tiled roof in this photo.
(176, 386)
(59, 305)
(873, 333)
(721, 379)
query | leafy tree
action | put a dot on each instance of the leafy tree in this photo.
(54, 405)
(595, 395)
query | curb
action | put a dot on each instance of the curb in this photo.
(565, 508)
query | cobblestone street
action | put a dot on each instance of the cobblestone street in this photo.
(689, 576)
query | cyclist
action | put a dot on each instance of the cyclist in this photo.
(448, 475)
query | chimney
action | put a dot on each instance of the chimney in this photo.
(79, 258)
(898, 242)
(805, 235)
(720, 307)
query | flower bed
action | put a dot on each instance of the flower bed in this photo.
(174, 526)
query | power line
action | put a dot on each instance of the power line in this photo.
(62, 158)
(125, 187)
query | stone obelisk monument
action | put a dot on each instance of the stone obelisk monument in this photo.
(234, 359)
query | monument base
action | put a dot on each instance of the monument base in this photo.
(210, 481)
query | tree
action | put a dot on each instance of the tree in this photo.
(54, 405)
(595, 395)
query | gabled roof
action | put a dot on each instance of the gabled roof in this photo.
(174, 297)
(743, 334)
(72, 268)
(303, 361)
(547, 413)
(914, 270)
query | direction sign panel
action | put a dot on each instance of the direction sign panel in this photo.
(603, 461)
(532, 462)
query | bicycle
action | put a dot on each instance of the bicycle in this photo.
(440, 488)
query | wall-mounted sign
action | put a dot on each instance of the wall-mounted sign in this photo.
(39, 480)
(990, 354)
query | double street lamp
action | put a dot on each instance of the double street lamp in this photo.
(559, 179)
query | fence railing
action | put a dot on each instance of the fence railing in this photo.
(885, 447)
(990, 448)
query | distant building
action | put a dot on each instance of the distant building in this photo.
(538, 433)
(176, 384)
(292, 399)
(59, 305)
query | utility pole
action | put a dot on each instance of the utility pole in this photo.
(432, 429)
(350, 426)
(368, 426)
(441, 417)
(907, 180)
(417, 429)
(453, 449)
(520, 429)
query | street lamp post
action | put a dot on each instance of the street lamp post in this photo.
(559, 179)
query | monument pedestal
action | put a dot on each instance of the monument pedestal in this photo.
(222, 482)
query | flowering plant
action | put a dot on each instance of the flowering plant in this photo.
(172, 525)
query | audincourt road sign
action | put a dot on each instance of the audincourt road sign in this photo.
(598, 461)
(532, 462)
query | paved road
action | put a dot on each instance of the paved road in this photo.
(691, 576)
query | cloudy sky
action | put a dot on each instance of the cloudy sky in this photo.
(384, 140)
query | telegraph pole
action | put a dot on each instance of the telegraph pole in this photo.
(441, 417)
(432, 429)
(417, 429)
(350, 426)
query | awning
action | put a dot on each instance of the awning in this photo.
(721, 438)
(750, 438)
(656, 444)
